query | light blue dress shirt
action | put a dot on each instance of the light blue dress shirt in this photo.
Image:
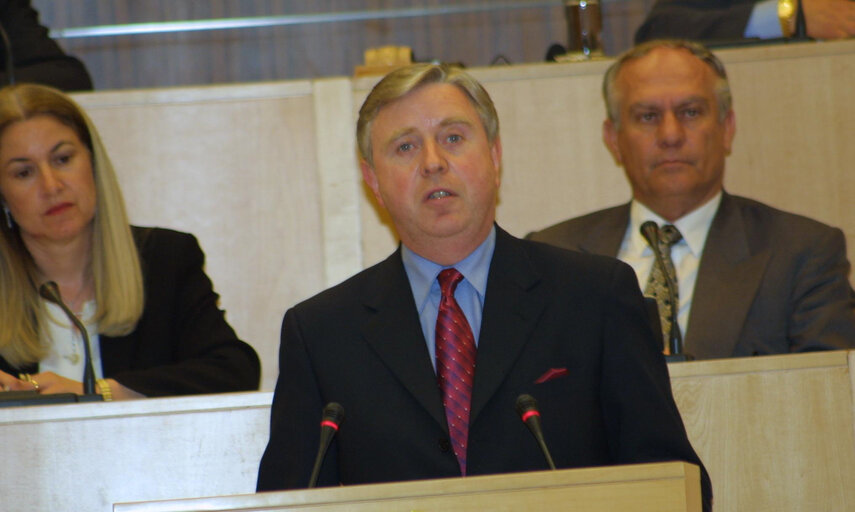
(469, 294)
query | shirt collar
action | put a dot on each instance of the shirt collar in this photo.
(475, 268)
(694, 226)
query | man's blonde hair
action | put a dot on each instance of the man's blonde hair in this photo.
(402, 81)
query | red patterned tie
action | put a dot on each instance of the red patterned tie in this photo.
(455, 363)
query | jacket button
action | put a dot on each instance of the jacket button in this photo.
(444, 445)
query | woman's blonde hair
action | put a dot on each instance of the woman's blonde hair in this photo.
(115, 262)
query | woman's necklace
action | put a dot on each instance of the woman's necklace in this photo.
(76, 341)
(78, 303)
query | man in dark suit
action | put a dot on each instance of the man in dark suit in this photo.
(567, 328)
(723, 20)
(751, 279)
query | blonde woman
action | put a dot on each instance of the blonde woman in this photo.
(142, 293)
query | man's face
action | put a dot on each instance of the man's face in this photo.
(670, 140)
(435, 171)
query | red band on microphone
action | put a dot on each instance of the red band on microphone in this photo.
(331, 424)
(529, 414)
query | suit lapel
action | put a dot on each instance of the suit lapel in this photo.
(512, 306)
(606, 236)
(511, 309)
(728, 278)
(395, 334)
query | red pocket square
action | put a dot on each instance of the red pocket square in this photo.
(552, 373)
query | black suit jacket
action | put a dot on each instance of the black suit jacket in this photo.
(769, 282)
(699, 20)
(36, 57)
(182, 343)
(361, 344)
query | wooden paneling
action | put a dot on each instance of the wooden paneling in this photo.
(775, 433)
(309, 50)
(237, 167)
(85, 457)
(657, 487)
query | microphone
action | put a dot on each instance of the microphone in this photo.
(800, 33)
(50, 291)
(555, 50)
(526, 407)
(332, 417)
(650, 232)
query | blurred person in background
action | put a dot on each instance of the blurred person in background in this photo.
(752, 279)
(36, 58)
(724, 20)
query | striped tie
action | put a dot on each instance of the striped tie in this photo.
(455, 363)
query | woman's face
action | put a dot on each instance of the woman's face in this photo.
(46, 180)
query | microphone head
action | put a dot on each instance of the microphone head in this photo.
(50, 291)
(525, 404)
(333, 415)
(554, 51)
(650, 232)
(526, 407)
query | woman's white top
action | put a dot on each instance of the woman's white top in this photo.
(66, 355)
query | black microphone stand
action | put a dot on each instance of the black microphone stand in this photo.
(332, 416)
(800, 34)
(526, 407)
(650, 232)
(50, 291)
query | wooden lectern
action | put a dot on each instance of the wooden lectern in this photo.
(658, 487)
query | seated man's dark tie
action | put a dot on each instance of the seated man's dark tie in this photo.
(657, 286)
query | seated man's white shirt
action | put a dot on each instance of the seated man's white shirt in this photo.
(686, 254)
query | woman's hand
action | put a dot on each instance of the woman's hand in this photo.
(121, 392)
(12, 383)
(49, 383)
(46, 383)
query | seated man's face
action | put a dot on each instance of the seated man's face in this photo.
(670, 139)
(434, 169)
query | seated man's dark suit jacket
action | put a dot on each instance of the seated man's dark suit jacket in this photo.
(361, 344)
(769, 282)
(699, 20)
(182, 344)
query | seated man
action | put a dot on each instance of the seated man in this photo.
(751, 279)
(711, 20)
(429, 350)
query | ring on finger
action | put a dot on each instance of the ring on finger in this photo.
(26, 377)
